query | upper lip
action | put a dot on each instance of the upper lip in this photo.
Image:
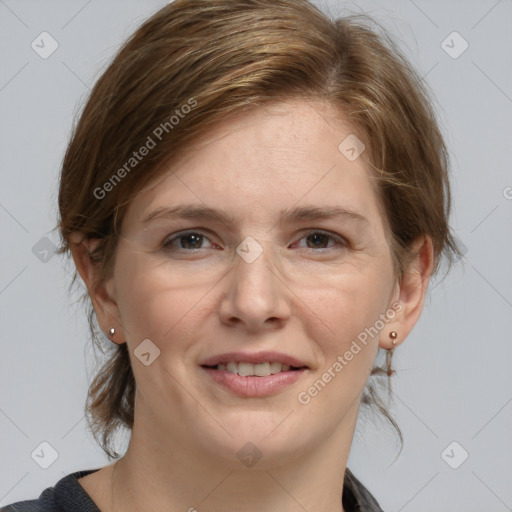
(254, 358)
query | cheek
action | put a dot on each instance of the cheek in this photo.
(160, 301)
(348, 302)
(350, 307)
(153, 308)
(145, 300)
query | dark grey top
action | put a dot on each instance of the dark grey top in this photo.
(69, 496)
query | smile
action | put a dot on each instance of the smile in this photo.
(253, 374)
(245, 369)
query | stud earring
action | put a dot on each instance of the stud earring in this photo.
(111, 332)
(393, 335)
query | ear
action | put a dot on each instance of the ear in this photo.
(410, 292)
(102, 293)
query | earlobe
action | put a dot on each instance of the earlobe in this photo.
(412, 292)
(112, 336)
(105, 306)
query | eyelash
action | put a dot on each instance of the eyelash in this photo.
(340, 241)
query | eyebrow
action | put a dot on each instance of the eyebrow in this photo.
(298, 214)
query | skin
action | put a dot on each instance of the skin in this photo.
(304, 296)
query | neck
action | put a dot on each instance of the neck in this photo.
(160, 475)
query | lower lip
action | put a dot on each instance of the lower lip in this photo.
(254, 386)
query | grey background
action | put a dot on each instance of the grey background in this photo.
(454, 381)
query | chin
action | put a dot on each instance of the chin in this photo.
(260, 438)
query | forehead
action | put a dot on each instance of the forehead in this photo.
(267, 160)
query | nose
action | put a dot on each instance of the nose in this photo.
(256, 296)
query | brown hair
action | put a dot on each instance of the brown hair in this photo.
(196, 62)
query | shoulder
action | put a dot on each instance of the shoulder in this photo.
(356, 497)
(67, 495)
(25, 506)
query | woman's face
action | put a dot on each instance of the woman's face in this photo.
(278, 277)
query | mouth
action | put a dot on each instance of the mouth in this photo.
(253, 375)
(246, 369)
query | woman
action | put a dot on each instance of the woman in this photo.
(256, 198)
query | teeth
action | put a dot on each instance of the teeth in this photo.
(262, 369)
(231, 367)
(245, 369)
(250, 370)
(276, 367)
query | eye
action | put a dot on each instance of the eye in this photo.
(189, 240)
(318, 239)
